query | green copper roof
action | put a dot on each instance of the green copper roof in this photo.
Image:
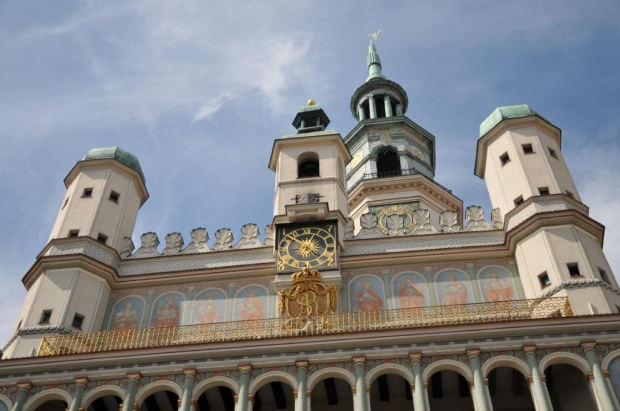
(118, 154)
(500, 113)
(374, 63)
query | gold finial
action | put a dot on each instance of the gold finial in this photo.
(311, 102)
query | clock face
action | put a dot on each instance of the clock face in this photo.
(308, 246)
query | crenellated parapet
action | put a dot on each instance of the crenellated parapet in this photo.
(224, 240)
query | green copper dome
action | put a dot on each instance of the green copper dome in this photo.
(118, 154)
(500, 113)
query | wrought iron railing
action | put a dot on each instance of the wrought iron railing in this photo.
(395, 173)
(336, 323)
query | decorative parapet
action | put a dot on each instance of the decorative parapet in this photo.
(326, 324)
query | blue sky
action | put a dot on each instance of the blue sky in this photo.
(198, 90)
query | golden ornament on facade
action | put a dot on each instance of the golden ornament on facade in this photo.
(308, 296)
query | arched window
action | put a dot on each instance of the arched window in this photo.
(388, 164)
(308, 165)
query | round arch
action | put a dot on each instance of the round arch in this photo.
(565, 358)
(216, 381)
(272, 376)
(447, 365)
(506, 361)
(102, 391)
(47, 395)
(6, 401)
(383, 369)
(331, 372)
(156, 386)
(609, 358)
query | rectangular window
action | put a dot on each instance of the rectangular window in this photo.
(114, 196)
(573, 269)
(74, 233)
(88, 192)
(543, 191)
(102, 238)
(527, 149)
(552, 153)
(603, 275)
(518, 201)
(77, 321)
(504, 158)
(46, 317)
(544, 279)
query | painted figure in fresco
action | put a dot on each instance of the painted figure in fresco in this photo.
(126, 319)
(367, 298)
(454, 292)
(498, 288)
(410, 295)
(252, 308)
(168, 314)
(207, 311)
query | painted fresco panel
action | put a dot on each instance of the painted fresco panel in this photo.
(614, 376)
(167, 310)
(454, 287)
(496, 284)
(366, 294)
(127, 314)
(410, 290)
(251, 303)
(210, 307)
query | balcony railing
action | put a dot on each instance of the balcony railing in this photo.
(336, 323)
(395, 173)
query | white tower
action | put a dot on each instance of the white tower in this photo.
(69, 293)
(558, 248)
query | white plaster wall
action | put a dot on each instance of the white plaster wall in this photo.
(558, 166)
(534, 256)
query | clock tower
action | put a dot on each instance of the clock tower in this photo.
(311, 203)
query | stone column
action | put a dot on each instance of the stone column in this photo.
(361, 115)
(388, 106)
(373, 106)
(132, 390)
(418, 389)
(80, 389)
(480, 388)
(188, 389)
(600, 386)
(243, 402)
(360, 402)
(23, 391)
(301, 403)
(540, 395)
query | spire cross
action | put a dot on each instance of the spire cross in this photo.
(374, 36)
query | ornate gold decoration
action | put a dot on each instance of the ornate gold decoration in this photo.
(245, 368)
(308, 296)
(331, 323)
(529, 348)
(404, 210)
(588, 345)
(189, 372)
(26, 386)
(134, 376)
(81, 381)
(309, 246)
(357, 158)
(472, 352)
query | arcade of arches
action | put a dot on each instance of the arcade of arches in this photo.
(469, 382)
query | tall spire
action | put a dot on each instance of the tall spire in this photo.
(374, 63)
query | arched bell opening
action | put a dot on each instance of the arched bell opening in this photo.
(332, 394)
(161, 401)
(388, 164)
(308, 165)
(218, 398)
(448, 390)
(568, 388)
(509, 390)
(392, 391)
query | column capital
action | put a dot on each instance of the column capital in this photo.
(236, 397)
(412, 385)
(80, 380)
(134, 376)
(472, 352)
(302, 364)
(529, 349)
(189, 372)
(589, 376)
(24, 385)
(367, 389)
(354, 390)
(135, 406)
(588, 345)
(295, 393)
(245, 368)
(193, 401)
(415, 356)
(530, 378)
(605, 373)
(179, 402)
(359, 360)
(309, 394)
(471, 382)
(486, 381)
(251, 398)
